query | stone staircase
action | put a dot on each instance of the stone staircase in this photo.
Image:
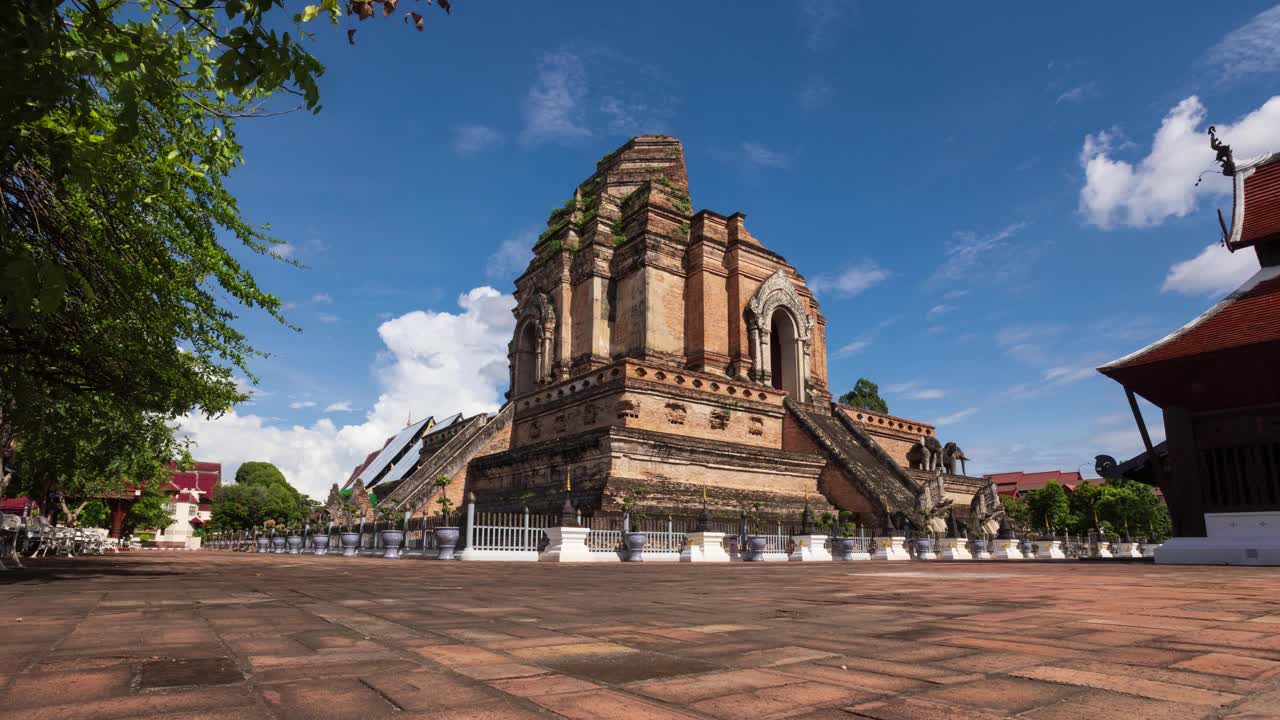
(419, 488)
(874, 473)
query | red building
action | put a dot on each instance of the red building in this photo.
(1014, 484)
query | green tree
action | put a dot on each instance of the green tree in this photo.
(260, 492)
(149, 511)
(1086, 507)
(1049, 507)
(1017, 511)
(866, 395)
(120, 246)
(94, 514)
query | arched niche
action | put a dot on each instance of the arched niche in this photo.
(780, 332)
(530, 352)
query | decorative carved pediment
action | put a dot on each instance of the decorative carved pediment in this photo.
(778, 291)
(540, 311)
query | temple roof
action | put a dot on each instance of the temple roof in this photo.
(1248, 316)
(1255, 215)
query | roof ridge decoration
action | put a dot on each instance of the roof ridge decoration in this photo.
(1233, 236)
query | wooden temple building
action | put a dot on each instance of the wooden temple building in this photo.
(1217, 382)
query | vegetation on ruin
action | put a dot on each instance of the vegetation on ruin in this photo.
(121, 249)
(866, 395)
(442, 483)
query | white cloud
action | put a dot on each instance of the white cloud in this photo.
(300, 404)
(1063, 374)
(939, 310)
(901, 387)
(852, 281)
(820, 21)
(635, 116)
(955, 417)
(758, 155)
(553, 108)
(852, 348)
(512, 257)
(321, 298)
(968, 249)
(1253, 49)
(327, 318)
(954, 294)
(1029, 343)
(434, 363)
(815, 94)
(284, 249)
(1215, 270)
(343, 406)
(927, 394)
(1163, 184)
(1079, 94)
(471, 139)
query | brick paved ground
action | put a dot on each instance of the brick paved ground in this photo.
(223, 635)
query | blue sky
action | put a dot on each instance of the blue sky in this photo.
(989, 200)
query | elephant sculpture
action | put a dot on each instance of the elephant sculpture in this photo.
(951, 452)
(926, 454)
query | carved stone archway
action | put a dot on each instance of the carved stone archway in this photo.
(532, 344)
(774, 294)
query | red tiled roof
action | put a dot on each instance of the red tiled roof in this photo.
(1256, 215)
(1015, 483)
(203, 476)
(15, 505)
(1249, 316)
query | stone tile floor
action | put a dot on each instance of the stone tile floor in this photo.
(166, 636)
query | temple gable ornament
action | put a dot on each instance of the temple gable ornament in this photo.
(779, 293)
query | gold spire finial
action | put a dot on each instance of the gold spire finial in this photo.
(568, 482)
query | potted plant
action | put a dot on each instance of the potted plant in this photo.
(842, 529)
(294, 539)
(446, 534)
(393, 536)
(350, 538)
(633, 538)
(277, 540)
(320, 540)
(756, 544)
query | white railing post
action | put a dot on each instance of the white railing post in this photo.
(471, 522)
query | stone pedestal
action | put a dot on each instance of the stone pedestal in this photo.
(1050, 550)
(982, 551)
(1103, 550)
(1243, 538)
(1149, 549)
(704, 547)
(1128, 550)
(891, 548)
(1005, 549)
(810, 548)
(566, 544)
(954, 549)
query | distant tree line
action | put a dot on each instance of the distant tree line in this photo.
(1115, 507)
(260, 493)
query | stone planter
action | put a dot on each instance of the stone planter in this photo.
(842, 548)
(924, 549)
(264, 544)
(757, 544)
(391, 542)
(320, 544)
(295, 544)
(277, 544)
(350, 544)
(980, 549)
(446, 542)
(635, 542)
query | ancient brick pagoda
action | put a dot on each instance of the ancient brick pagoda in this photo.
(667, 351)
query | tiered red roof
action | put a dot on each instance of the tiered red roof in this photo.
(1014, 484)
